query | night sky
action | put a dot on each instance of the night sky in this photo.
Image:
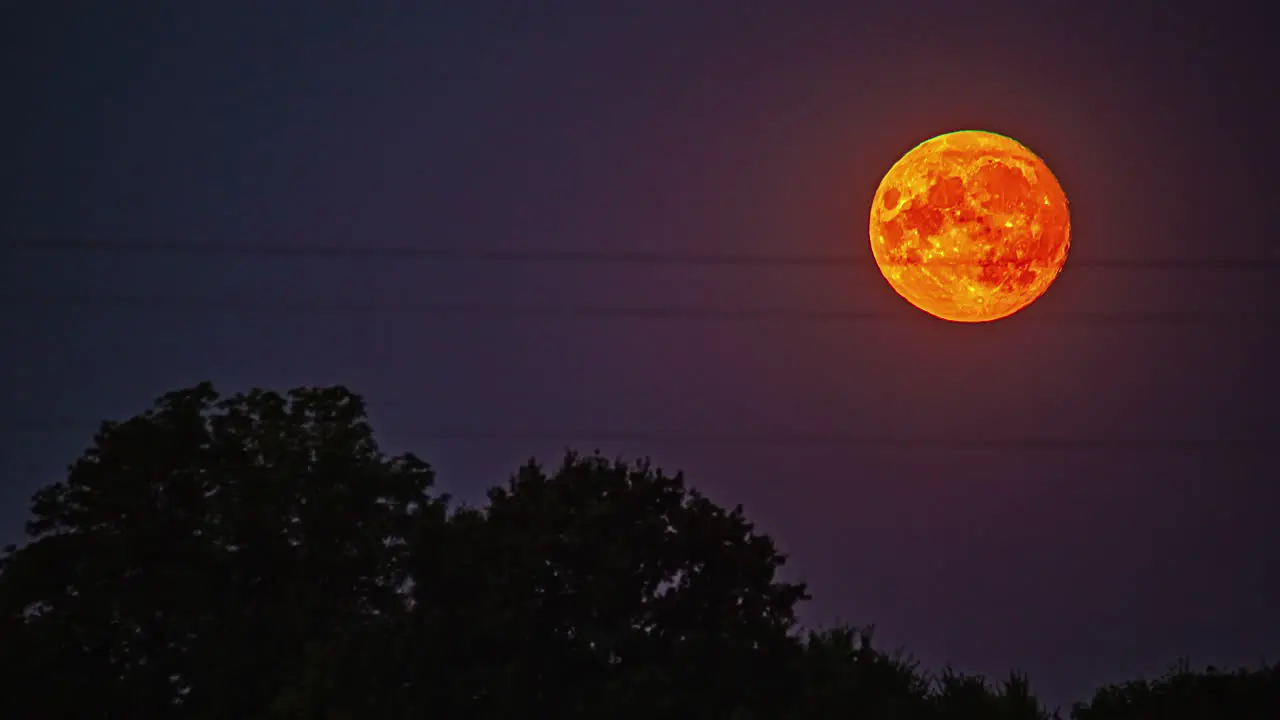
(737, 130)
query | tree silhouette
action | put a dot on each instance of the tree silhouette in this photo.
(257, 556)
(843, 675)
(959, 696)
(194, 550)
(1184, 694)
(605, 589)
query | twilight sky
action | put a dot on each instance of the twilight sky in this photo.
(731, 128)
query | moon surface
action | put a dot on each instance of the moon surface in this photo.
(970, 226)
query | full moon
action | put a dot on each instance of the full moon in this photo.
(970, 226)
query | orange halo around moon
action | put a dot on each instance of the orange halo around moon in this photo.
(970, 226)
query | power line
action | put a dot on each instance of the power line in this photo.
(547, 256)
(828, 440)
(813, 440)
(176, 303)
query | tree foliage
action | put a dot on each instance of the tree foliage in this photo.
(258, 556)
(194, 550)
(1184, 694)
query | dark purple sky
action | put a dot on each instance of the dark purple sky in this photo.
(695, 127)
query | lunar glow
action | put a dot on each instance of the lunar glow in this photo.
(970, 226)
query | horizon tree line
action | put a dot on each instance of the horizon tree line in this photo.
(257, 556)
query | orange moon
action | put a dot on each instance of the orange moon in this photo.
(970, 226)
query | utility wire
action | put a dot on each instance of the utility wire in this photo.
(814, 440)
(836, 440)
(548, 256)
(177, 303)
